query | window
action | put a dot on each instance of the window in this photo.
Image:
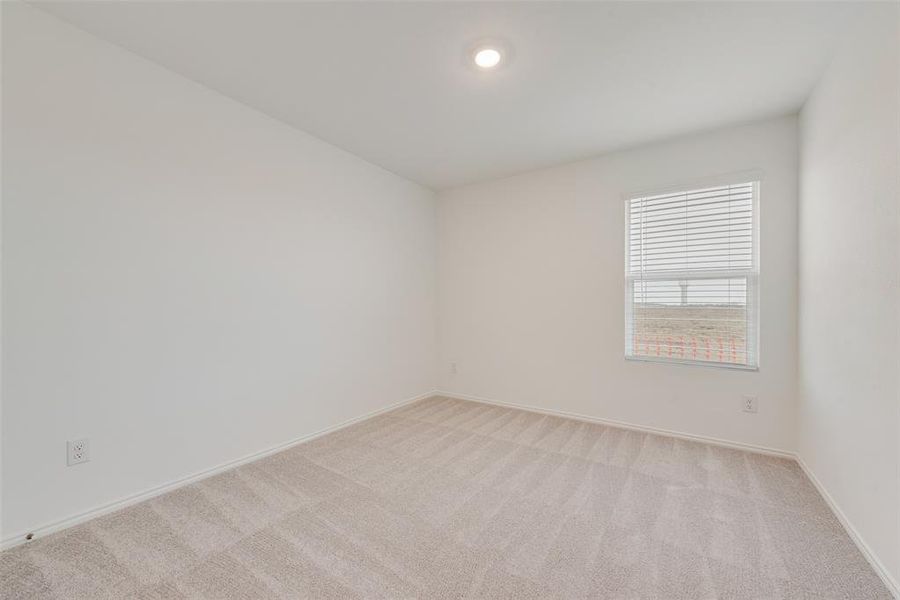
(691, 276)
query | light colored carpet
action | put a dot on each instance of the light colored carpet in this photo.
(447, 499)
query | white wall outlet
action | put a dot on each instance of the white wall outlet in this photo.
(750, 404)
(78, 452)
(454, 368)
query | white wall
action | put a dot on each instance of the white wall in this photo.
(531, 290)
(849, 434)
(185, 281)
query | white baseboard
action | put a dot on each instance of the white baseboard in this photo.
(891, 584)
(43, 530)
(624, 425)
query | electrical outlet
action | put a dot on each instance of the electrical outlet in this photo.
(750, 404)
(77, 452)
(454, 368)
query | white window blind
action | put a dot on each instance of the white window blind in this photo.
(691, 276)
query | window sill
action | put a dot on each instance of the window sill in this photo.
(692, 363)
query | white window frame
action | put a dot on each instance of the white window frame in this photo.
(752, 275)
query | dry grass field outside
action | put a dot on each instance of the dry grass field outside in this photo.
(689, 332)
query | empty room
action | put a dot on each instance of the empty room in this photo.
(523, 300)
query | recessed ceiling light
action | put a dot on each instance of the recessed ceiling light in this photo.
(487, 58)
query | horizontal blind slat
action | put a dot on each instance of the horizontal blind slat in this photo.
(728, 189)
(696, 203)
(688, 218)
(693, 230)
(736, 222)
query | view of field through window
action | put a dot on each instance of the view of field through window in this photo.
(686, 332)
(703, 319)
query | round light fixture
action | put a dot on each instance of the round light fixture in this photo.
(487, 58)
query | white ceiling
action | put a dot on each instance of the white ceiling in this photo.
(389, 81)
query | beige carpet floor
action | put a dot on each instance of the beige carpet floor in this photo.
(450, 499)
